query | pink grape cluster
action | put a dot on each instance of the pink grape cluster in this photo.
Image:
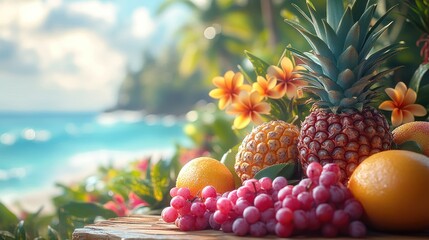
(318, 205)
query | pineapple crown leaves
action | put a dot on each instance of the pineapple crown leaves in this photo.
(341, 68)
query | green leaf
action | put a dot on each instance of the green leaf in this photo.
(352, 38)
(20, 231)
(8, 220)
(86, 210)
(423, 96)
(306, 59)
(364, 22)
(369, 38)
(358, 8)
(245, 74)
(346, 78)
(306, 17)
(52, 234)
(329, 68)
(316, 21)
(348, 59)
(417, 76)
(410, 146)
(160, 179)
(317, 44)
(288, 54)
(369, 43)
(345, 25)
(5, 235)
(141, 187)
(286, 170)
(259, 65)
(228, 159)
(334, 12)
(332, 39)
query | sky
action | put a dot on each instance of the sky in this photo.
(71, 55)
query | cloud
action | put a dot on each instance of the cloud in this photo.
(60, 55)
(25, 15)
(142, 24)
(99, 11)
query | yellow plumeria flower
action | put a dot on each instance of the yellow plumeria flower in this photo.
(287, 81)
(228, 88)
(247, 108)
(403, 105)
(266, 87)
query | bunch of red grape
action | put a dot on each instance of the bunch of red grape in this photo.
(319, 205)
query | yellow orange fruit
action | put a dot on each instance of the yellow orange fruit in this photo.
(204, 171)
(417, 131)
(393, 187)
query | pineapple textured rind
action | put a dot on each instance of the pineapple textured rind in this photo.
(342, 70)
(345, 139)
(270, 143)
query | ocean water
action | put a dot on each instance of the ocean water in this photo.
(37, 148)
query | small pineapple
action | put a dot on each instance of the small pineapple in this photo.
(268, 144)
(342, 71)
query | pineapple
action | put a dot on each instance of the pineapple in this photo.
(341, 71)
(268, 144)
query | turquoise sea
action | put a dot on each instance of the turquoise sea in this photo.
(37, 148)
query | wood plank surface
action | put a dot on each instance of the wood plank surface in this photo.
(152, 227)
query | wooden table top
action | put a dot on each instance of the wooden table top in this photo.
(152, 227)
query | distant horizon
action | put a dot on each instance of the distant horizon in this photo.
(72, 56)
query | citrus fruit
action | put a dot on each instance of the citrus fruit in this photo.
(417, 131)
(392, 187)
(204, 171)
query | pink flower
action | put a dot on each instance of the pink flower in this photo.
(143, 164)
(135, 201)
(117, 206)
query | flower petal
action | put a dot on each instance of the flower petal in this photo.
(396, 117)
(219, 82)
(237, 108)
(290, 91)
(228, 79)
(281, 89)
(258, 88)
(256, 118)
(271, 82)
(410, 97)
(246, 88)
(223, 103)
(299, 82)
(387, 105)
(401, 88)
(275, 94)
(394, 95)
(287, 67)
(275, 72)
(416, 109)
(237, 80)
(241, 121)
(217, 93)
(262, 108)
(407, 116)
(255, 98)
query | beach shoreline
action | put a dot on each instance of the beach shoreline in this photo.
(77, 169)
